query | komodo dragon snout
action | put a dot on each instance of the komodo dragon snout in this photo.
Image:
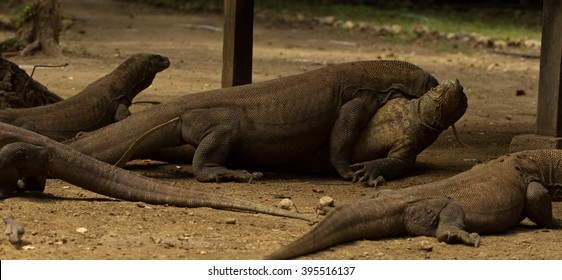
(443, 105)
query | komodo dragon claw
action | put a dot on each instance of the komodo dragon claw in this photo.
(14, 229)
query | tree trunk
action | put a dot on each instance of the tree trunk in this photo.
(40, 32)
(19, 90)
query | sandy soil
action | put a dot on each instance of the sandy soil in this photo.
(106, 32)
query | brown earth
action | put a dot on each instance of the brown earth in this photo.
(105, 32)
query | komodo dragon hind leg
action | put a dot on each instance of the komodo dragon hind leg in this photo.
(439, 217)
(451, 226)
(213, 133)
(538, 206)
(24, 161)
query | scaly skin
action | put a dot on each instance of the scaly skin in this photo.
(267, 123)
(401, 129)
(102, 102)
(489, 198)
(32, 157)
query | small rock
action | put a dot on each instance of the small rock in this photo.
(326, 201)
(28, 247)
(492, 66)
(426, 246)
(420, 30)
(286, 204)
(520, 92)
(329, 20)
(348, 25)
(531, 44)
(59, 242)
(500, 44)
(81, 230)
(485, 41)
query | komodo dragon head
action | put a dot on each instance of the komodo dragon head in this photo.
(442, 105)
(140, 70)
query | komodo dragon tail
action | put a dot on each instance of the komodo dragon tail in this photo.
(105, 179)
(67, 164)
(347, 223)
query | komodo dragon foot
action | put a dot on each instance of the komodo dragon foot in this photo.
(455, 235)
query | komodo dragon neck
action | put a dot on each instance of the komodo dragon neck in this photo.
(102, 102)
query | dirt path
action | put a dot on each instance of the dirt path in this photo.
(105, 32)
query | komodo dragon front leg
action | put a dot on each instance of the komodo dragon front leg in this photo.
(352, 118)
(538, 206)
(214, 139)
(22, 160)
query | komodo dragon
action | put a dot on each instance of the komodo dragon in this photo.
(489, 198)
(267, 123)
(390, 142)
(102, 102)
(29, 156)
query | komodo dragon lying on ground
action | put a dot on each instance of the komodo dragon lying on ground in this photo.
(389, 144)
(29, 156)
(102, 102)
(267, 123)
(489, 198)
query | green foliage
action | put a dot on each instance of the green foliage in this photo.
(491, 19)
(26, 12)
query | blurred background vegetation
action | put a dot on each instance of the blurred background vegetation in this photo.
(502, 19)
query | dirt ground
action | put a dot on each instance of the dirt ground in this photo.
(105, 32)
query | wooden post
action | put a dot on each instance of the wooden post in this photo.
(548, 133)
(237, 43)
(549, 107)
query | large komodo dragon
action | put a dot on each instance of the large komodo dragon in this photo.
(388, 145)
(29, 156)
(102, 102)
(489, 198)
(267, 123)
